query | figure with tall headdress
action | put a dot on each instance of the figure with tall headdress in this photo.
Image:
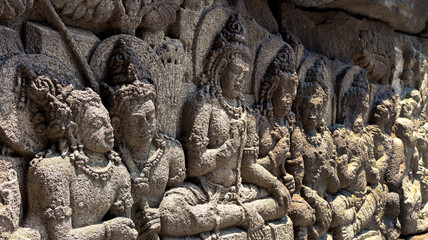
(228, 188)
(275, 127)
(312, 141)
(355, 204)
(390, 160)
(154, 160)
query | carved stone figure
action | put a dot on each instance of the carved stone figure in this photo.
(222, 150)
(390, 159)
(422, 143)
(79, 189)
(276, 124)
(213, 119)
(312, 141)
(355, 206)
(154, 160)
(413, 211)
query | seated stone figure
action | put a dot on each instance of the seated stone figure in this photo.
(276, 124)
(390, 161)
(414, 209)
(422, 143)
(79, 189)
(312, 141)
(155, 160)
(356, 203)
(222, 150)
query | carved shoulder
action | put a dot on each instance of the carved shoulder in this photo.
(50, 168)
(198, 138)
(175, 156)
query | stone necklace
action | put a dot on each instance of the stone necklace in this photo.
(234, 112)
(80, 161)
(154, 160)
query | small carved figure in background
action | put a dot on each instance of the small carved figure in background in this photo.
(276, 124)
(355, 204)
(390, 160)
(313, 142)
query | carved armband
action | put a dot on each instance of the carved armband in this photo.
(197, 141)
(179, 174)
(57, 211)
(124, 200)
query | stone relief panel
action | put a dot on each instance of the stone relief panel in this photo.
(214, 119)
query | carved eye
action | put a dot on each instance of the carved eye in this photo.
(97, 123)
(134, 121)
(150, 116)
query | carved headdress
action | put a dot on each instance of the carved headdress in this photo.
(356, 95)
(61, 109)
(313, 87)
(229, 43)
(127, 82)
(124, 65)
(281, 71)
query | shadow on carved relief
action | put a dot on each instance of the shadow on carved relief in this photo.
(185, 120)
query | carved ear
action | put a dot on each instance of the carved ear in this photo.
(72, 135)
(73, 128)
(218, 66)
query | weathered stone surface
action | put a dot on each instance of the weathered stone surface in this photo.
(213, 119)
(406, 16)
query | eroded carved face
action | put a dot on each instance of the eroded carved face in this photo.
(422, 138)
(282, 100)
(139, 124)
(96, 130)
(233, 78)
(381, 112)
(312, 113)
(355, 112)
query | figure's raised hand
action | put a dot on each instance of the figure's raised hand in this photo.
(281, 194)
(289, 182)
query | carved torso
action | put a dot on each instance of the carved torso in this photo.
(317, 152)
(218, 132)
(169, 171)
(84, 192)
(73, 193)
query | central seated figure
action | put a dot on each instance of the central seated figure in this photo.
(229, 188)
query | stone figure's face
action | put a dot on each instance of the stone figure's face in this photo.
(312, 113)
(355, 112)
(422, 138)
(233, 78)
(283, 99)
(96, 130)
(404, 129)
(139, 124)
(408, 107)
(381, 113)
